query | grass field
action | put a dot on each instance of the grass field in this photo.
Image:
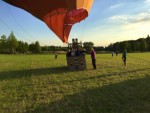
(40, 84)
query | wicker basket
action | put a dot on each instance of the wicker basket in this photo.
(76, 62)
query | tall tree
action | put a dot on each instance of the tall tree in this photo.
(148, 37)
(148, 42)
(13, 43)
(37, 47)
(26, 47)
(32, 47)
(3, 44)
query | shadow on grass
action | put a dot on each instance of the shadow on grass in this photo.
(56, 70)
(30, 72)
(131, 96)
(106, 75)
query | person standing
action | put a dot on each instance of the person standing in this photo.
(112, 53)
(55, 54)
(124, 56)
(93, 57)
(116, 53)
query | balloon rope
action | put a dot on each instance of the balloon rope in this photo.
(20, 26)
(84, 29)
(12, 30)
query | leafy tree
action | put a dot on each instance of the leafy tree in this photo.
(51, 48)
(37, 47)
(22, 47)
(12, 43)
(3, 44)
(143, 45)
(64, 48)
(44, 48)
(32, 47)
(109, 48)
(148, 42)
(123, 45)
(136, 46)
(148, 37)
(88, 45)
(26, 47)
(116, 46)
(100, 48)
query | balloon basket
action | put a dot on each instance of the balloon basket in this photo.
(76, 62)
(76, 58)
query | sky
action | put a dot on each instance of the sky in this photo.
(109, 21)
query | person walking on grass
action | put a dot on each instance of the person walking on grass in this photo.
(93, 57)
(124, 56)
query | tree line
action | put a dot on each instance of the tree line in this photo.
(10, 44)
(139, 45)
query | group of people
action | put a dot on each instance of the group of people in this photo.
(79, 52)
(93, 57)
(75, 52)
(114, 53)
(124, 55)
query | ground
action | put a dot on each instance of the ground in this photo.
(41, 84)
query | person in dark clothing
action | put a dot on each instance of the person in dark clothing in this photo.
(77, 52)
(68, 53)
(55, 54)
(112, 54)
(124, 56)
(116, 53)
(93, 57)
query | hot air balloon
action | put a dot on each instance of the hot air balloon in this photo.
(59, 15)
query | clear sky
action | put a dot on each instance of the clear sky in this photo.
(109, 21)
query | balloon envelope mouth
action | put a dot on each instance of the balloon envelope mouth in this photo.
(76, 16)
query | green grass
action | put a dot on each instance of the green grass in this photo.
(41, 84)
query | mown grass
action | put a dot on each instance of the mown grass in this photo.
(41, 84)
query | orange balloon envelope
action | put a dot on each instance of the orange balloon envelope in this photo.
(59, 15)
